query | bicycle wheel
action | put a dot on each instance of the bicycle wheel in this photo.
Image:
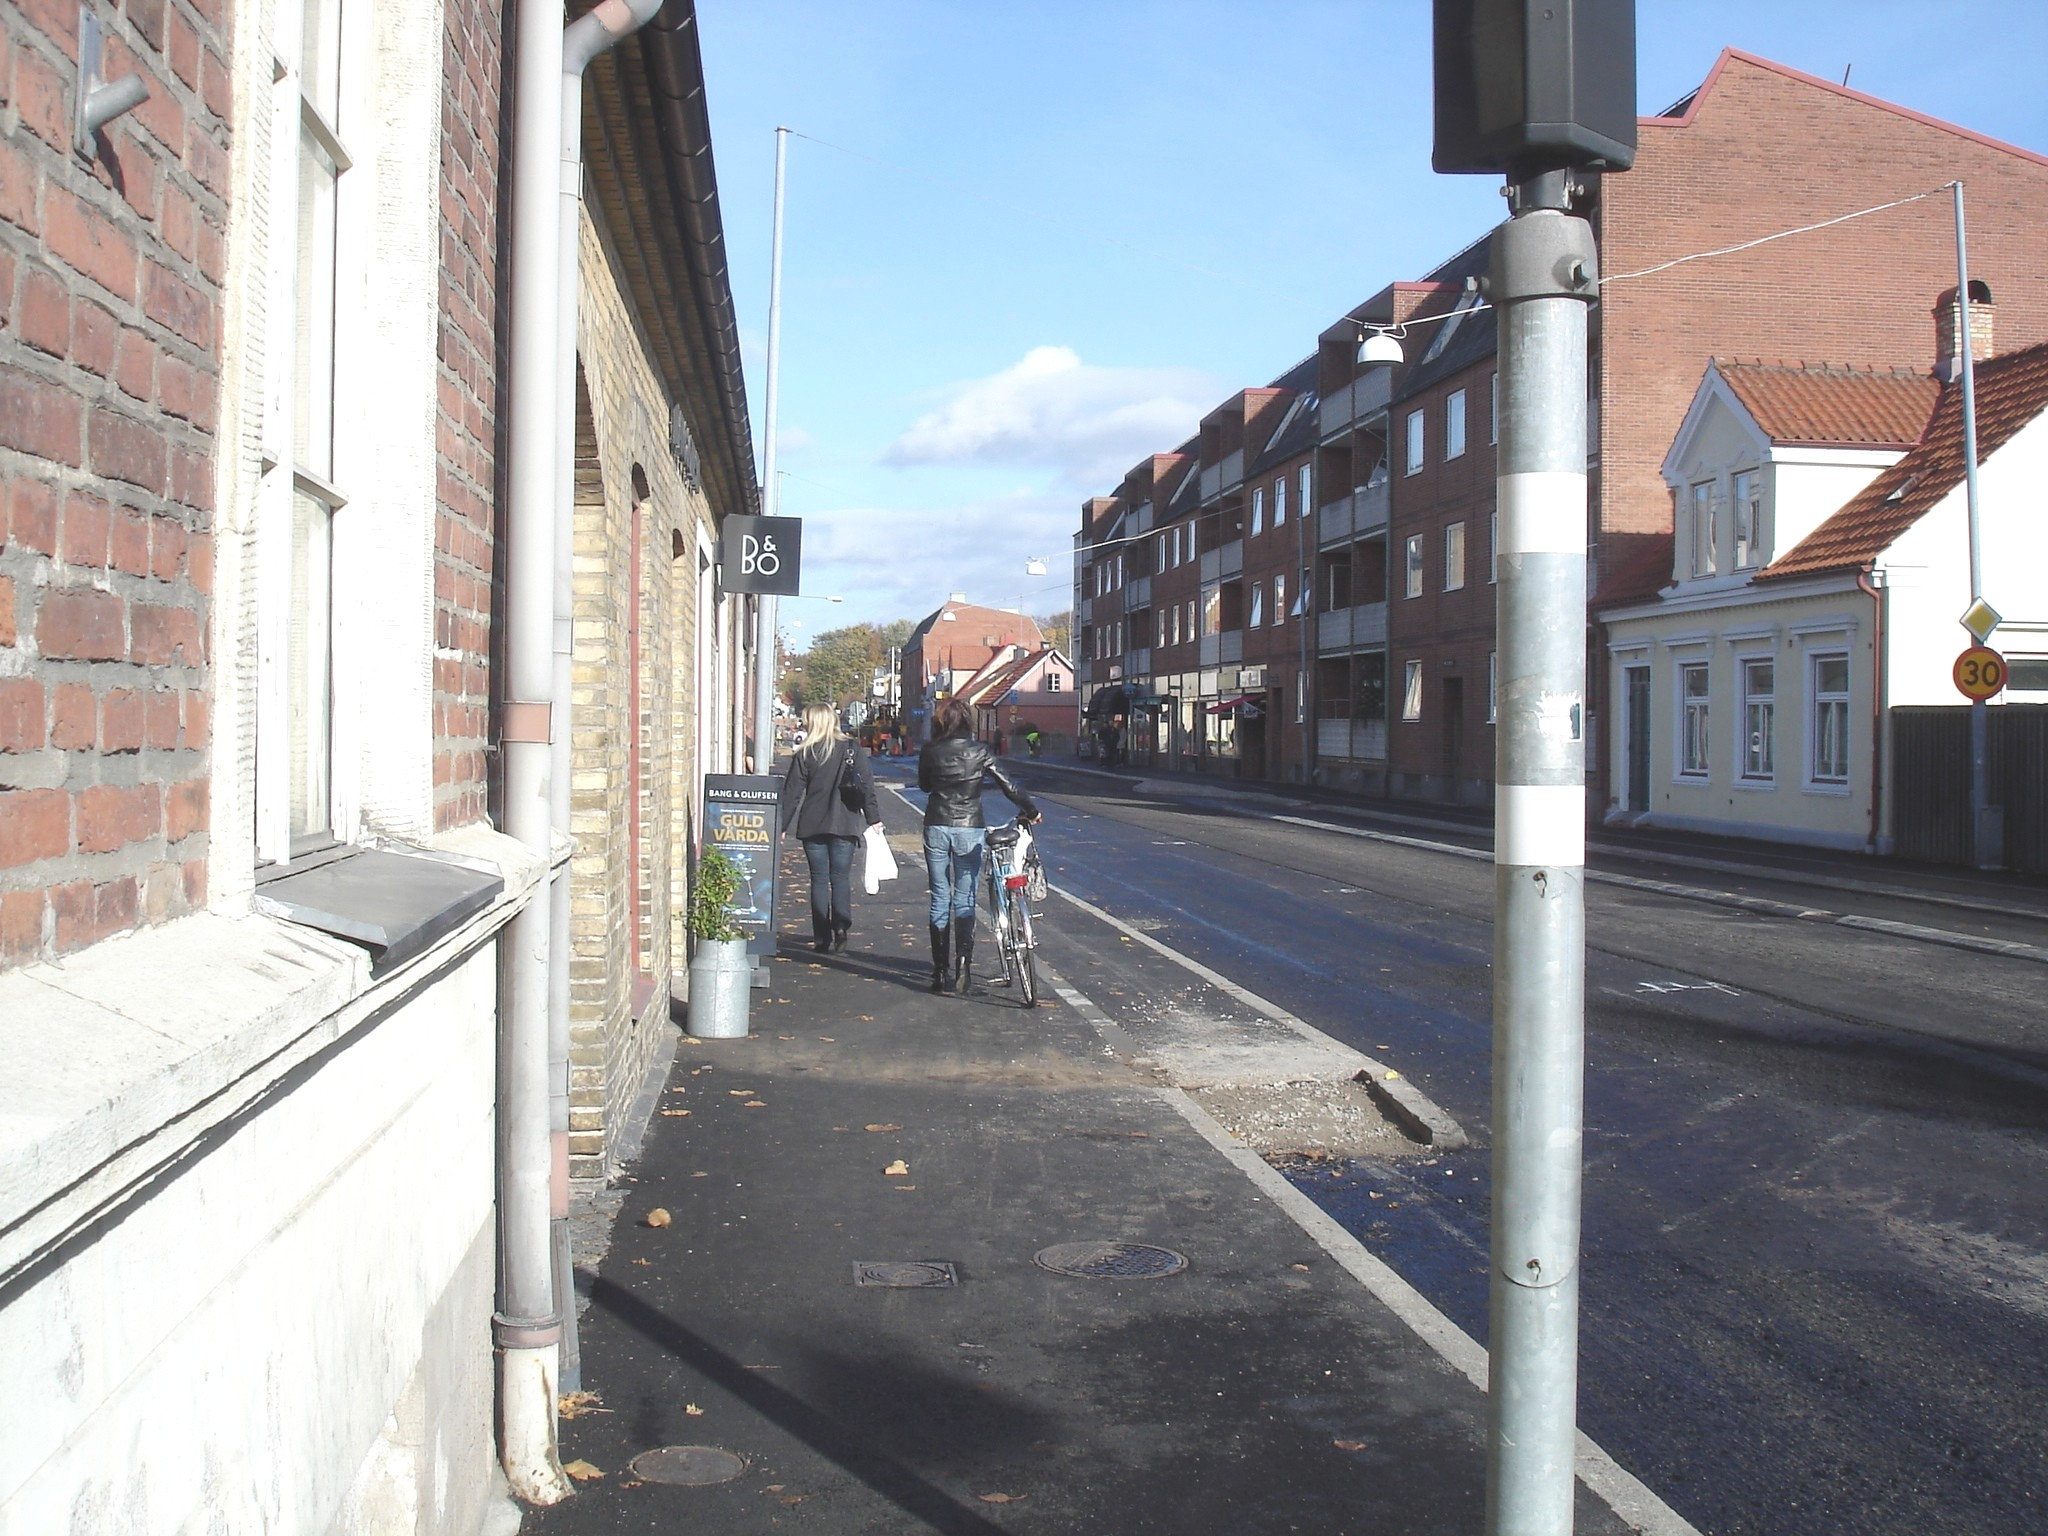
(1025, 967)
(999, 923)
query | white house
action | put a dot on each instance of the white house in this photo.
(1818, 570)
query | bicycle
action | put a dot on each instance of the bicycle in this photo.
(1016, 878)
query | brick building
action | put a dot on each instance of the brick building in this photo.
(253, 475)
(950, 645)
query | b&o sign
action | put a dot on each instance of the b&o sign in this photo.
(760, 554)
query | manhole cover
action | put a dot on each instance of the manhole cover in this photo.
(691, 1466)
(1110, 1261)
(905, 1274)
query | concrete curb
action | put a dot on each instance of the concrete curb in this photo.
(1405, 1104)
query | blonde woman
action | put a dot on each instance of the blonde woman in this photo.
(828, 801)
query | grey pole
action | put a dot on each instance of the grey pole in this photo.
(1986, 835)
(765, 657)
(1543, 279)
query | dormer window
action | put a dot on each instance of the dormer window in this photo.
(1704, 558)
(1749, 510)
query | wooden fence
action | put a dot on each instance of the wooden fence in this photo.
(1931, 782)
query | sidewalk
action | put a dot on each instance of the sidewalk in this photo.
(1261, 1389)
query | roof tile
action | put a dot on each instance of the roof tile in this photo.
(1833, 406)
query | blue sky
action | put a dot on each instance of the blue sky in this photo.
(1027, 244)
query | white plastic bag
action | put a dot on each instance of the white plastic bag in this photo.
(877, 862)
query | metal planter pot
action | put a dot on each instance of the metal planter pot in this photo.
(721, 976)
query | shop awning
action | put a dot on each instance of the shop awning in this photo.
(1225, 706)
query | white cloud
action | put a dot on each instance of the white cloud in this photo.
(1051, 409)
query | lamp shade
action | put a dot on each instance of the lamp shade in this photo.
(1379, 350)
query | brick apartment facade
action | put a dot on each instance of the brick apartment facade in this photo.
(1402, 685)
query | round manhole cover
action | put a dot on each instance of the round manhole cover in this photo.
(692, 1466)
(1110, 1261)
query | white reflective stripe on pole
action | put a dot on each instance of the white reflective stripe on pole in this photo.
(765, 657)
(1542, 280)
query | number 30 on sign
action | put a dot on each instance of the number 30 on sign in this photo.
(1979, 672)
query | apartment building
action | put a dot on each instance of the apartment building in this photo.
(255, 891)
(950, 645)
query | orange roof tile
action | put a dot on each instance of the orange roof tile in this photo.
(1836, 407)
(1639, 575)
(2011, 391)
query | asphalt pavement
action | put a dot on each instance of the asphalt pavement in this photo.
(868, 1130)
(1816, 1257)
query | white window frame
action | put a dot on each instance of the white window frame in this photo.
(1304, 487)
(1255, 615)
(1748, 503)
(1820, 705)
(1279, 598)
(1454, 425)
(1411, 690)
(1280, 501)
(1454, 556)
(1756, 749)
(1418, 442)
(1492, 687)
(1052, 682)
(1693, 768)
(1411, 576)
(1493, 549)
(1706, 552)
(1493, 422)
(1258, 509)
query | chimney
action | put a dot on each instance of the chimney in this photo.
(961, 597)
(1948, 331)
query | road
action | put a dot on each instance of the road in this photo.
(1815, 1289)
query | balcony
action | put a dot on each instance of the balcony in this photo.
(1359, 515)
(1223, 650)
(1138, 662)
(1084, 610)
(1364, 396)
(1221, 564)
(1357, 741)
(1346, 629)
(1141, 520)
(1138, 592)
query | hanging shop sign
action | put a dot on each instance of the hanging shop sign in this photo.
(760, 554)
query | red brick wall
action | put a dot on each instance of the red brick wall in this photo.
(1279, 551)
(110, 289)
(1439, 626)
(471, 366)
(1766, 150)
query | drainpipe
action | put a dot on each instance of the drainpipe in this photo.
(583, 40)
(1880, 692)
(527, 1325)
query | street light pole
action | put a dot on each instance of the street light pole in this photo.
(1543, 281)
(765, 657)
(1987, 833)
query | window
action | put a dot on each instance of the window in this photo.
(1454, 556)
(1415, 442)
(1258, 614)
(1190, 630)
(1830, 719)
(1279, 501)
(1758, 686)
(1703, 540)
(1259, 509)
(1492, 686)
(1163, 547)
(1748, 517)
(1454, 424)
(1692, 722)
(1493, 548)
(1493, 424)
(1411, 690)
(1212, 611)
(1414, 573)
(1053, 683)
(1279, 599)
(1302, 500)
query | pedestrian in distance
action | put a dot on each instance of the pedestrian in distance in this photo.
(951, 770)
(1032, 740)
(828, 802)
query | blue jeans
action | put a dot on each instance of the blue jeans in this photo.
(831, 861)
(952, 861)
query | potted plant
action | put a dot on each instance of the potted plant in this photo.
(721, 974)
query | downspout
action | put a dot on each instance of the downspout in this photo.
(1880, 698)
(583, 40)
(527, 1324)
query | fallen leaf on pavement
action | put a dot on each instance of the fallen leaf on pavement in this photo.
(741, 1093)
(897, 1169)
(645, 1263)
(658, 1217)
(693, 1410)
(773, 1488)
(700, 1175)
(785, 1037)
(865, 1018)
(674, 1112)
(575, 1404)
(828, 1039)
(906, 1188)
(793, 1498)
(755, 1104)
(885, 1127)
(1349, 1445)
(582, 1471)
(1003, 1498)
(1392, 1075)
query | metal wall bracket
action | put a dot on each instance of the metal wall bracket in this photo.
(99, 101)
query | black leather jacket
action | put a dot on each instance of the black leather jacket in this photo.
(950, 772)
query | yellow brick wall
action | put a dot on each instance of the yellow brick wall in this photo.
(621, 428)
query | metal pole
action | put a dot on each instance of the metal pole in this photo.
(765, 650)
(1543, 280)
(1305, 601)
(1986, 836)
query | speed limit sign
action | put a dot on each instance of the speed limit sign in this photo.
(1979, 672)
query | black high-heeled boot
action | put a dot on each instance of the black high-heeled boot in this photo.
(963, 956)
(941, 956)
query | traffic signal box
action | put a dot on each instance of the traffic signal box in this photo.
(1526, 86)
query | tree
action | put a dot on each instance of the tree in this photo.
(1058, 629)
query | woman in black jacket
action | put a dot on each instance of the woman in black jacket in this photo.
(828, 801)
(951, 770)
